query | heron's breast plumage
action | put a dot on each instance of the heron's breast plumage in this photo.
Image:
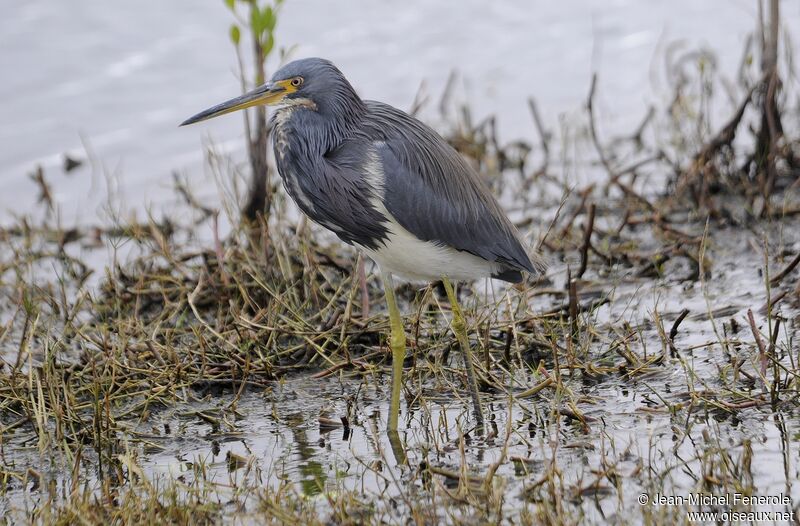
(287, 169)
(330, 190)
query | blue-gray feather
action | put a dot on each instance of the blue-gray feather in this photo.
(327, 135)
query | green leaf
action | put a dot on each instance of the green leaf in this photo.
(255, 20)
(267, 46)
(268, 18)
(235, 34)
(230, 4)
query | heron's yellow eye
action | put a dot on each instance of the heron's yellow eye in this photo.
(297, 81)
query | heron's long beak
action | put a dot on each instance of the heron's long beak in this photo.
(269, 93)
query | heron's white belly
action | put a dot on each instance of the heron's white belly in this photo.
(408, 257)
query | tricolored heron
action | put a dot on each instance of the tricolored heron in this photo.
(388, 184)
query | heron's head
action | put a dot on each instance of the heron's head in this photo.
(313, 83)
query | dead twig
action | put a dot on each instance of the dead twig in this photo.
(673, 332)
(762, 352)
(587, 241)
(785, 272)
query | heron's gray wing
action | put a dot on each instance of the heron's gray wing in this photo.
(434, 194)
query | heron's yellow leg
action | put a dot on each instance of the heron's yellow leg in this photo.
(397, 342)
(459, 326)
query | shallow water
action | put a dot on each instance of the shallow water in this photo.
(116, 78)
